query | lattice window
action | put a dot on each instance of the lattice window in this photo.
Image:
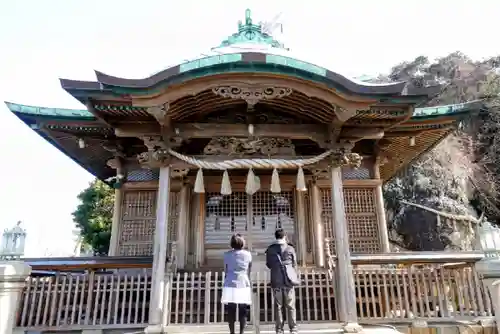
(361, 173)
(142, 175)
(136, 233)
(224, 216)
(271, 211)
(362, 222)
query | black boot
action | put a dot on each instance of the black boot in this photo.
(243, 325)
(231, 327)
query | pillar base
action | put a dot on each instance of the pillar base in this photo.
(154, 329)
(352, 327)
(13, 276)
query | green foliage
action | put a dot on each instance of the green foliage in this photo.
(94, 215)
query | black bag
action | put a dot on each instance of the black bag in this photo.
(289, 272)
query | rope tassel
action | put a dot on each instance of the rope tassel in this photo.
(199, 184)
(253, 183)
(275, 182)
(225, 188)
(301, 180)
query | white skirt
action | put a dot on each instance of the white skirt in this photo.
(236, 295)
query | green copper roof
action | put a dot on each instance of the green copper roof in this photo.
(54, 112)
(251, 33)
(449, 109)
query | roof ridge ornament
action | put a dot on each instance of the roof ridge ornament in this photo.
(249, 32)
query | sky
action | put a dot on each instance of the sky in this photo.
(42, 41)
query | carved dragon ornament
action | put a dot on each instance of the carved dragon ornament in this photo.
(249, 146)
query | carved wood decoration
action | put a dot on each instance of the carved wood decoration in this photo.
(159, 113)
(341, 157)
(156, 155)
(248, 146)
(349, 103)
(252, 94)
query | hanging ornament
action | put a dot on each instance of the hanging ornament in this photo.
(225, 188)
(275, 182)
(253, 183)
(301, 180)
(199, 184)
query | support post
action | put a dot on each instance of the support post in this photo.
(345, 279)
(13, 276)
(117, 164)
(201, 232)
(115, 225)
(182, 227)
(156, 306)
(301, 228)
(317, 223)
(380, 210)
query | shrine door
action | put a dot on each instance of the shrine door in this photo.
(255, 217)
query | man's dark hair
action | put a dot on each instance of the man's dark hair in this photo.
(237, 242)
(279, 234)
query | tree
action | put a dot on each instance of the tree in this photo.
(94, 215)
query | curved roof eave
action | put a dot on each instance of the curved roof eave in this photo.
(244, 59)
(53, 113)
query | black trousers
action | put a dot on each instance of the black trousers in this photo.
(242, 315)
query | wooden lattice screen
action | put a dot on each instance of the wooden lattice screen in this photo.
(364, 234)
(226, 215)
(137, 226)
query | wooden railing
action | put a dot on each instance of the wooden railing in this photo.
(72, 293)
(429, 285)
(396, 288)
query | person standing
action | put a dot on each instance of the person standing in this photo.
(281, 259)
(237, 290)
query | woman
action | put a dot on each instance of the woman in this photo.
(237, 291)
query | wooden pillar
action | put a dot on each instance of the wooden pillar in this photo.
(182, 227)
(117, 164)
(317, 226)
(345, 279)
(380, 210)
(115, 225)
(199, 229)
(301, 227)
(156, 306)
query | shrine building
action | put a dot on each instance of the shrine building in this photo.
(245, 140)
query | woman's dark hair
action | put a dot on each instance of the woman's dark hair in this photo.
(279, 234)
(237, 242)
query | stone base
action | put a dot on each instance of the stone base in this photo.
(154, 329)
(13, 276)
(352, 327)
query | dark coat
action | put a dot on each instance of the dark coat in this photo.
(288, 257)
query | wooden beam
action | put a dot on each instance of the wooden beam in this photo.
(314, 132)
(366, 133)
(209, 130)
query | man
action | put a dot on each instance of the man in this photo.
(281, 259)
